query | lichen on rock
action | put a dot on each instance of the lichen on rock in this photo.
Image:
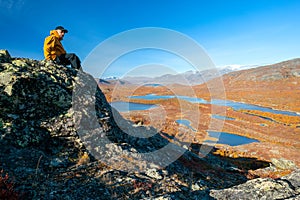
(287, 187)
(41, 147)
(29, 95)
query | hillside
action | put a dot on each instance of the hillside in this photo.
(60, 139)
(275, 86)
(279, 71)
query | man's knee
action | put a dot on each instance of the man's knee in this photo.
(73, 56)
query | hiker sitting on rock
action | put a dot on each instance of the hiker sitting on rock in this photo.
(54, 51)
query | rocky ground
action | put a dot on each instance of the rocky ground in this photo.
(60, 139)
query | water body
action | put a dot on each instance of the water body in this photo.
(229, 139)
(244, 106)
(122, 106)
(155, 97)
(222, 117)
(153, 84)
(221, 137)
(186, 123)
(219, 102)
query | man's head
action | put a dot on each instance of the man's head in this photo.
(61, 31)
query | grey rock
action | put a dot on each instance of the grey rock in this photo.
(60, 139)
(153, 173)
(263, 188)
(4, 56)
(283, 164)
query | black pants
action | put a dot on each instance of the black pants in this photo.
(69, 59)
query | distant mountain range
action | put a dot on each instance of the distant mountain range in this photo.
(186, 78)
(249, 72)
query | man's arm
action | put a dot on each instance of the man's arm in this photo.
(48, 47)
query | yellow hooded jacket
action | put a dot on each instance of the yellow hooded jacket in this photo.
(53, 46)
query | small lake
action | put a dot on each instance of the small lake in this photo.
(186, 123)
(153, 84)
(244, 106)
(229, 139)
(122, 106)
(221, 137)
(155, 97)
(219, 102)
(222, 117)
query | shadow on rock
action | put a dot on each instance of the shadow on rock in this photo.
(60, 139)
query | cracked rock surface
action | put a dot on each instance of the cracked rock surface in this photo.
(60, 139)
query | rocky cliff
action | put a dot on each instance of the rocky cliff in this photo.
(60, 139)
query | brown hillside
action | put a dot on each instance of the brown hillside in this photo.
(276, 86)
(279, 71)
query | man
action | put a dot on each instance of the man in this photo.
(55, 52)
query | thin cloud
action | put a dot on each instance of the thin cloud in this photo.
(11, 6)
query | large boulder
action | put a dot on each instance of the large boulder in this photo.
(287, 187)
(4, 56)
(31, 93)
(60, 139)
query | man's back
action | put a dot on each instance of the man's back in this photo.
(53, 46)
(55, 52)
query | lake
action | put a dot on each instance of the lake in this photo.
(122, 106)
(229, 139)
(221, 137)
(186, 123)
(222, 117)
(219, 102)
(153, 84)
(155, 97)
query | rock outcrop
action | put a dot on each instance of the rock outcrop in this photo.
(287, 187)
(60, 139)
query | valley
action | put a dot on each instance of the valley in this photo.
(275, 87)
(180, 142)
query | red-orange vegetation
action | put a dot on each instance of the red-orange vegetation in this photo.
(7, 190)
(293, 121)
(276, 87)
(267, 174)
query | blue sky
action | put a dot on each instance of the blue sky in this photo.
(232, 32)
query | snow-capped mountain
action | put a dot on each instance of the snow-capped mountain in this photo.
(236, 67)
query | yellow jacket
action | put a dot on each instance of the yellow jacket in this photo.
(53, 46)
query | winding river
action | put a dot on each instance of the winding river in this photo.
(221, 137)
